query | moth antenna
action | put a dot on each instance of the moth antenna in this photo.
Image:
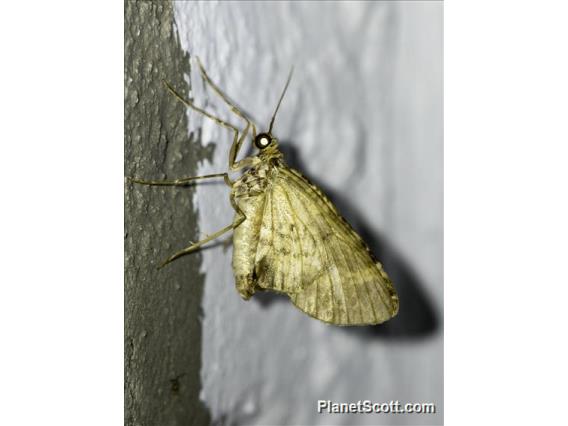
(280, 100)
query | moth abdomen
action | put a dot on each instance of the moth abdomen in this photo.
(245, 285)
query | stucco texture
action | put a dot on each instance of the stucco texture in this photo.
(162, 308)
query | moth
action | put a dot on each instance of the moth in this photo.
(287, 235)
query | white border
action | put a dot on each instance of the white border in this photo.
(61, 301)
(506, 156)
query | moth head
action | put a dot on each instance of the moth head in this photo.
(264, 140)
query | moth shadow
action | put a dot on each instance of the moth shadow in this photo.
(417, 317)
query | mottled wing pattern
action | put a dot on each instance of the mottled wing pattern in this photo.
(308, 251)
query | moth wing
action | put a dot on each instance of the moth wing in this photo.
(308, 251)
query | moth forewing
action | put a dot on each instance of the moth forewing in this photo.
(296, 242)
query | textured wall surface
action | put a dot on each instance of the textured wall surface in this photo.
(363, 119)
(162, 308)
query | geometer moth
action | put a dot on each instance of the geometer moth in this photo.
(288, 237)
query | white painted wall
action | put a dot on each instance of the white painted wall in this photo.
(364, 111)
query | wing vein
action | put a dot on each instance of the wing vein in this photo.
(328, 255)
(298, 238)
(300, 200)
(357, 242)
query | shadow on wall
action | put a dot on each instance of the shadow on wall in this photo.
(416, 317)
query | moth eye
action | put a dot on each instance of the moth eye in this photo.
(262, 140)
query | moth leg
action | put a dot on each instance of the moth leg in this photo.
(233, 164)
(223, 96)
(180, 181)
(198, 244)
(236, 146)
(236, 140)
(237, 209)
(245, 162)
